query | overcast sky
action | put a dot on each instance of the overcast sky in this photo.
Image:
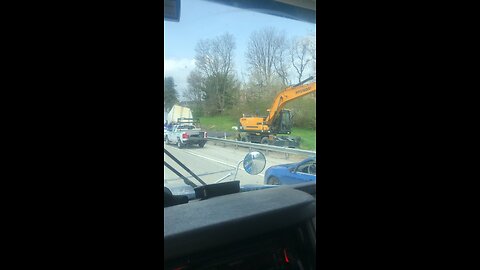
(202, 20)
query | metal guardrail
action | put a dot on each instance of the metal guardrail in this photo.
(266, 147)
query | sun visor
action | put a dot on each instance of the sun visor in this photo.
(171, 10)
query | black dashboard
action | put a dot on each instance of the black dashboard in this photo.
(262, 229)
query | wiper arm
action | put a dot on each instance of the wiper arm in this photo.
(185, 179)
(184, 167)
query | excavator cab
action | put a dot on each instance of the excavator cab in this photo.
(283, 123)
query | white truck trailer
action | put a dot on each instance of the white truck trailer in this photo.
(178, 112)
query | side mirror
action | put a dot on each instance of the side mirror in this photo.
(254, 163)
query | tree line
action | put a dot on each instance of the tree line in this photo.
(273, 60)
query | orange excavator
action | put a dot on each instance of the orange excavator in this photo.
(278, 121)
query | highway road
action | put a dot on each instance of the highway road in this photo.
(212, 162)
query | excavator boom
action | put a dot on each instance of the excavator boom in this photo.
(278, 121)
(287, 95)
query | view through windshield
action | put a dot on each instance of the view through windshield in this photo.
(235, 75)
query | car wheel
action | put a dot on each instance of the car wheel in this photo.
(166, 140)
(273, 181)
(180, 144)
(202, 144)
(264, 140)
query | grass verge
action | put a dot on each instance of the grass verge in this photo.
(308, 136)
(218, 123)
(225, 123)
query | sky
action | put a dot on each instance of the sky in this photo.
(205, 20)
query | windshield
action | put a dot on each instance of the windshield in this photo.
(229, 68)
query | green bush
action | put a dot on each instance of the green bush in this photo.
(304, 112)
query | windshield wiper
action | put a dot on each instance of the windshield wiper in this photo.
(185, 179)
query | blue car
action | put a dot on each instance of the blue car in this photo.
(293, 173)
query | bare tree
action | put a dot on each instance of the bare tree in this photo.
(196, 87)
(214, 65)
(215, 57)
(281, 65)
(313, 50)
(264, 47)
(299, 53)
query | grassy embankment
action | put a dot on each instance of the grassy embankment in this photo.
(225, 123)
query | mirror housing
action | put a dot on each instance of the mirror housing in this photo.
(254, 163)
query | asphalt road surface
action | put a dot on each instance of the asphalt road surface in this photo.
(212, 162)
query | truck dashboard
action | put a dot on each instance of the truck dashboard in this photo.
(270, 228)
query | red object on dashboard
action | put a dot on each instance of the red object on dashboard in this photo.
(286, 257)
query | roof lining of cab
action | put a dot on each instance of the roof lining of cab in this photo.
(300, 10)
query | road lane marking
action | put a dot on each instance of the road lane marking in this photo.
(190, 176)
(211, 159)
(221, 162)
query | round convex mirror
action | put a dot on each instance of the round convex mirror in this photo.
(254, 163)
